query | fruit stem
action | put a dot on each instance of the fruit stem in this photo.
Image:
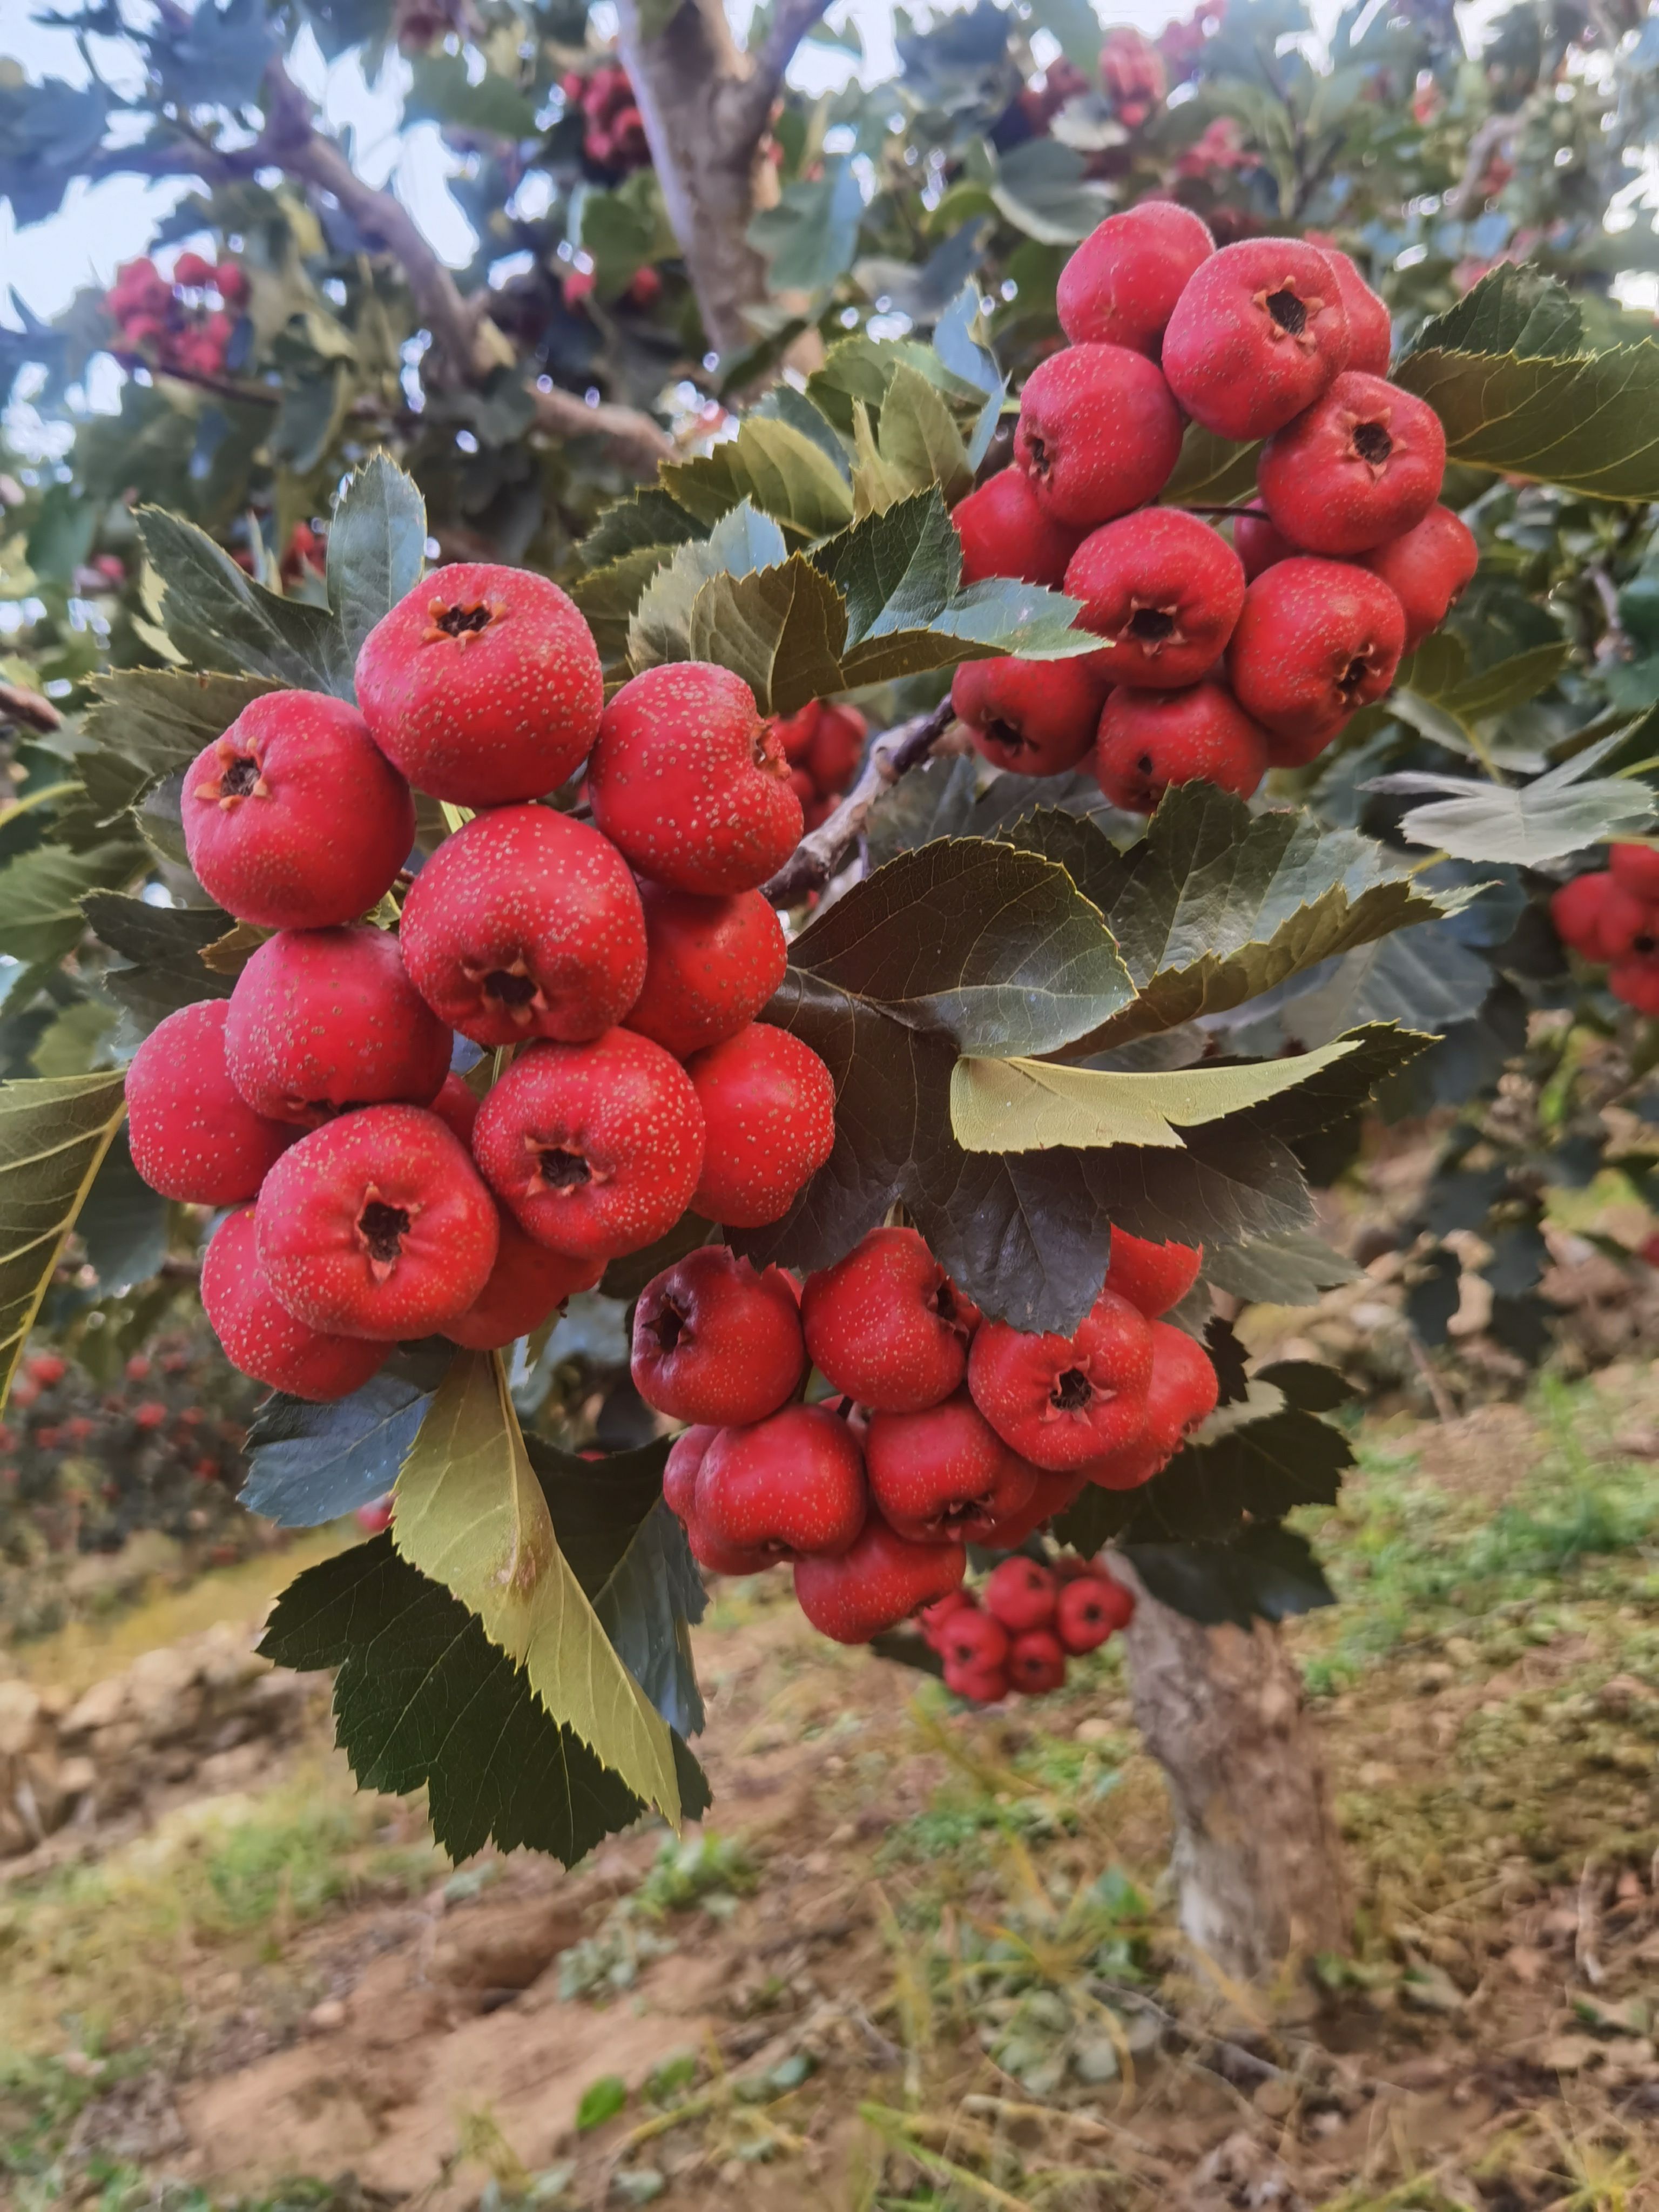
(823, 850)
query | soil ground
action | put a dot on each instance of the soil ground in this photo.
(922, 1957)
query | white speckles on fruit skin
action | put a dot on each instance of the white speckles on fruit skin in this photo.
(526, 1284)
(328, 827)
(873, 1330)
(711, 965)
(675, 782)
(879, 1582)
(1098, 432)
(620, 1104)
(261, 1337)
(793, 1484)
(488, 717)
(193, 1137)
(768, 1106)
(527, 892)
(313, 1249)
(323, 1018)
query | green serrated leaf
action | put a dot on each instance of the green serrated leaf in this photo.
(218, 619)
(160, 720)
(659, 627)
(609, 597)
(1584, 422)
(1512, 310)
(858, 370)
(1561, 812)
(781, 629)
(1210, 471)
(53, 1137)
(471, 1515)
(918, 444)
(787, 474)
(810, 238)
(164, 947)
(41, 891)
(376, 548)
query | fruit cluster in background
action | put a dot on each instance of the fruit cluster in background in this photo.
(613, 137)
(823, 743)
(621, 963)
(1613, 916)
(1032, 1619)
(184, 323)
(941, 1428)
(1226, 659)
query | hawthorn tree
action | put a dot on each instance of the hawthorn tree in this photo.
(852, 290)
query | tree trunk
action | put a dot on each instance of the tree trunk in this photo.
(1257, 1856)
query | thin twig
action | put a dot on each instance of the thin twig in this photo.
(19, 704)
(820, 852)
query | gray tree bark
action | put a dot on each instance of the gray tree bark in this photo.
(1257, 1856)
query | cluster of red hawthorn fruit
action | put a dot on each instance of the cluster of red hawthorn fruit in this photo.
(1033, 1618)
(941, 1428)
(1225, 659)
(1613, 916)
(823, 743)
(173, 322)
(378, 1198)
(613, 135)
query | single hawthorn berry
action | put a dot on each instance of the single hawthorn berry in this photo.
(259, 1334)
(457, 1107)
(1098, 433)
(1370, 331)
(1428, 569)
(792, 1486)
(1022, 1595)
(1363, 465)
(1051, 1494)
(595, 1148)
(526, 924)
(483, 685)
(1182, 1394)
(1627, 924)
(714, 1340)
(836, 748)
(1164, 589)
(690, 783)
(1635, 868)
(1575, 910)
(886, 1325)
(1149, 739)
(323, 1019)
(1635, 981)
(768, 1113)
(1317, 640)
(527, 1285)
(295, 818)
(193, 1136)
(1036, 1663)
(943, 1475)
(879, 1583)
(377, 1226)
(1091, 1609)
(1120, 286)
(979, 1686)
(1152, 1277)
(1005, 531)
(931, 1618)
(711, 965)
(970, 1638)
(1259, 545)
(679, 1472)
(1064, 1401)
(1257, 335)
(1033, 717)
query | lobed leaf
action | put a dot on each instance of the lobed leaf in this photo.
(218, 619)
(1561, 813)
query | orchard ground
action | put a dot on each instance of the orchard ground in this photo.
(922, 1956)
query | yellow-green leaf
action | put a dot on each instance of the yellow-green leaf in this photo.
(470, 1515)
(916, 444)
(1029, 1106)
(53, 1137)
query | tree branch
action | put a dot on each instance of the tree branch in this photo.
(748, 105)
(18, 704)
(821, 852)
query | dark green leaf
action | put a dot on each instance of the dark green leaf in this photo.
(376, 548)
(1042, 188)
(41, 891)
(1512, 310)
(160, 721)
(1269, 1574)
(123, 1223)
(165, 946)
(809, 238)
(781, 629)
(220, 618)
(309, 1464)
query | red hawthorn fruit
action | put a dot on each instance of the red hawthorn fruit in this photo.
(321, 1020)
(375, 1520)
(1182, 1394)
(880, 1582)
(768, 1112)
(943, 1475)
(259, 1335)
(931, 1618)
(1132, 75)
(979, 1685)
(1149, 739)
(714, 1341)
(1317, 640)
(596, 1148)
(230, 282)
(1091, 1609)
(1637, 982)
(191, 271)
(836, 748)
(1257, 335)
(1428, 569)
(690, 783)
(644, 288)
(1021, 1594)
(1005, 532)
(970, 1638)
(1165, 588)
(1634, 868)
(711, 965)
(725, 1558)
(295, 818)
(1370, 331)
(482, 685)
(193, 1138)
(1120, 286)
(1575, 910)
(792, 1486)
(886, 1325)
(139, 289)
(148, 1415)
(1363, 465)
(46, 1367)
(1035, 717)
(1098, 433)
(377, 1226)
(1152, 1277)
(796, 734)
(526, 924)
(1063, 1400)
(138, 1368)
(1036, 1663)
(457, 1107)
(1051, 1494)
(679, 1472)
(805, 790)
(1259, 545)
(527, 1285)
(1627, 924)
